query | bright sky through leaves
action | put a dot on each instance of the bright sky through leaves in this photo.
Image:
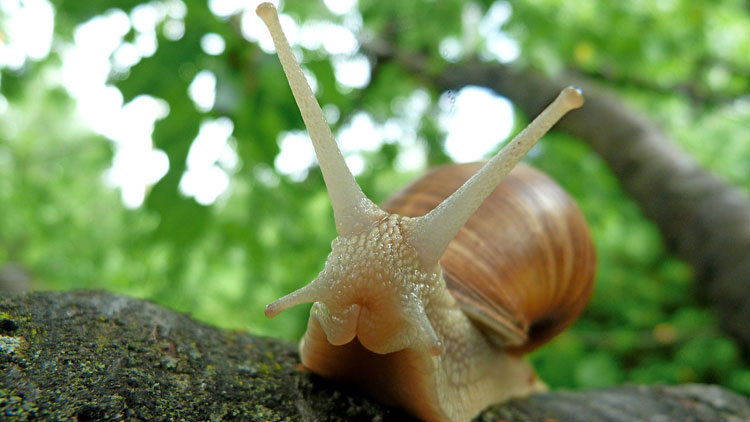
(475, 120)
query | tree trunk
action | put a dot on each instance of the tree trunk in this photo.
(704, 220)
(99, 356)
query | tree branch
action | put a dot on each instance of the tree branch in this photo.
(99, 356)
(703, 219)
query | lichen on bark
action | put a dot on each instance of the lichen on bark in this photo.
(88, 355)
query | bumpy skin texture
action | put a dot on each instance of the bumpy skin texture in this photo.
(383, 321)
(370, 289)
(382, 315)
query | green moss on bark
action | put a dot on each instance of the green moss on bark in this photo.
(84, 356)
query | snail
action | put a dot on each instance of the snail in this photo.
(430, 302)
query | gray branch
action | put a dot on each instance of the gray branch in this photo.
(99, 356)
(703, 219)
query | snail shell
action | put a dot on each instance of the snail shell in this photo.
(523, 265)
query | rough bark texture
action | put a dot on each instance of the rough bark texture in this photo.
(99, 356)
(703, 219)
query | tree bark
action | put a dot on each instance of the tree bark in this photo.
(703, 219)
(99, 356)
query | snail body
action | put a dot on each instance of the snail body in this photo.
(393, 309)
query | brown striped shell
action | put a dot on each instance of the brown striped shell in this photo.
(522, 266)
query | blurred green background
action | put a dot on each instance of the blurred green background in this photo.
(105, 182)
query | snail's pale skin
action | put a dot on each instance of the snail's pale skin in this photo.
(382, 316)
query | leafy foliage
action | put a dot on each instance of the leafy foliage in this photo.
(684, 63)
